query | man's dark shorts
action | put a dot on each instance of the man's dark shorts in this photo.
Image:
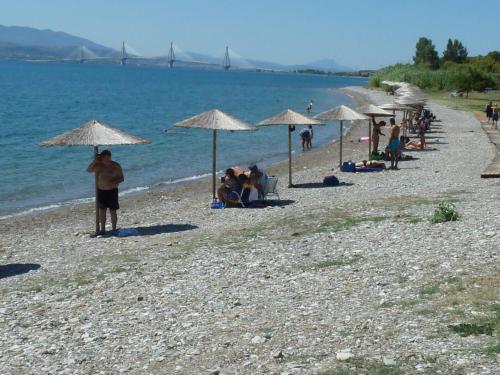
(108, 199)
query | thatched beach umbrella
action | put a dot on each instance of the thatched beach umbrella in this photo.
(372, 111)
(395, 107)
(406, 109)
(214, 120)
(341, 113)
(289, 118)
(94, 133)
(409, 100)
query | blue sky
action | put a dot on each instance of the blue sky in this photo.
(357, 33)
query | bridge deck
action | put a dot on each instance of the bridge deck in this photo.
(492, 170)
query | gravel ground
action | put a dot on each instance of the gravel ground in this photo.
(349, 279)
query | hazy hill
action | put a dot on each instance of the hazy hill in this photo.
(28, 36)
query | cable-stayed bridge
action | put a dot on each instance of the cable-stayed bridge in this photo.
(175, 56)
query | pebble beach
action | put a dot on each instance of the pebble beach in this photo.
(330, 280)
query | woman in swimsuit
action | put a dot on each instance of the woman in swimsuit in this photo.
(394, 146)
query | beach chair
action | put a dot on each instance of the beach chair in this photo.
(270, 187)
(235, 196)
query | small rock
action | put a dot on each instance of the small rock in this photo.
(277, 354)
(140, 298)
(388, 361)
(258, 340)
(344, 356)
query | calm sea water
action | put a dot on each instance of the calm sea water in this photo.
(41, 100)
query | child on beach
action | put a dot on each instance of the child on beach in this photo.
(494, 118)
(394, 146)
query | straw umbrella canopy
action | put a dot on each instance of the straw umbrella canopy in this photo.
(341, 113)
(289, 118)
(372, 111)
(395, 107)
(214, 120)
(409, 100)
(94, 133)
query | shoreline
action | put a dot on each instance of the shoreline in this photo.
(188, 182)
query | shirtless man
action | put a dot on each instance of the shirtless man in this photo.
(109, 176)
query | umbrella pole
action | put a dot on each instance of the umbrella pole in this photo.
(214, 161)
(341, 136)
(97, 229)
(290, 156)
(370, 137)
(405, 124)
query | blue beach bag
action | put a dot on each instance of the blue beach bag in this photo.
(348, 167)
(216, 204)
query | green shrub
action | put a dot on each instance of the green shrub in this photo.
(444, 212)
(477, 73)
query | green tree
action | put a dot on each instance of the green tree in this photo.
(426, 54)
(471, 78)
(455, 52)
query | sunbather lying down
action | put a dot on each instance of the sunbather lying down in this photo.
(370, 164)
(417, 146)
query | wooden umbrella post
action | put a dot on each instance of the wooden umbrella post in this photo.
(370, 137)
(97, 229)
(214, 161)
(290, 156)
(341, 137)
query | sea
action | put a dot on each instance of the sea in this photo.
(40, 100)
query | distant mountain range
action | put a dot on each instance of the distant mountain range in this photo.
(20, 42)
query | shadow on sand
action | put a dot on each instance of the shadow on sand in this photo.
(268, 203)
(319, 185)
(152, 230)
(15, 269)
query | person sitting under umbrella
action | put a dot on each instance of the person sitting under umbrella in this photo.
(255, 177)
(230, 184)
(109, 176)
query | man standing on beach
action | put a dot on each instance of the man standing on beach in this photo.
(109, 176)
(376, 133)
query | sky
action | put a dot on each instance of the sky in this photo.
(355, 33)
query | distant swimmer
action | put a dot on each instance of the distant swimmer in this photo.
(309, 106)
(109, 176)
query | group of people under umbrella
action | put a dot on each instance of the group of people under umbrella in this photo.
(95, 133)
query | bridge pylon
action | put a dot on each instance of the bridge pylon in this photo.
(123, 60)
(171, 55)
(227, 62)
